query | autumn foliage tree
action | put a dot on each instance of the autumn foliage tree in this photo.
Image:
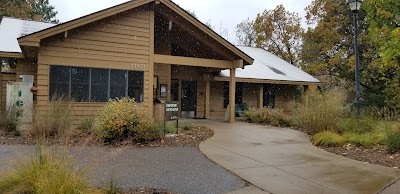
(39, 10)
(280, 32)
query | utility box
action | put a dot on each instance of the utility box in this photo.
(20, 98)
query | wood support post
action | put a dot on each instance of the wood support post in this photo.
(151, 65)
(207, 100)
(232, 93)
(261, 96)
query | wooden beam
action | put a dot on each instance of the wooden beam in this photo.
(268, 81)
(190, 61)
(261, 96)
(151, 63)
(11, 55)
(29, 43)
(232, 95)
(238, 63)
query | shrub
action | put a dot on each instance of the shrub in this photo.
(328, 139)
(366, 140)
(56, 120)
(321, 112)
(274, 117)
(47, 172)
(86, 125)
(359, 125)
(9, 119)
(124, 118)
(392, 140)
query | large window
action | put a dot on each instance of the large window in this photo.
(238, 95)
(95, 84)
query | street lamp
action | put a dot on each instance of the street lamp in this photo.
(355, 7)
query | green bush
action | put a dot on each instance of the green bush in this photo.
(268, 116)
(54, 121)
(366, 140)
(392, 140)
(328, 139)
(124, 118)
(321, 112)
(47, 172)
(359, 125)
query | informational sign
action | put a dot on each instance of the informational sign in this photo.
(171, 110)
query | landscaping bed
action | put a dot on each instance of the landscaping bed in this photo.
(376, 155)
(192, 137)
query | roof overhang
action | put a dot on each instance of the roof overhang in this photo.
(35, 38)
(269, 81)
(11, 55)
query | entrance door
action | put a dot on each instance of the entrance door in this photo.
(189, 99)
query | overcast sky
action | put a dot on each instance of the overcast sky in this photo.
(223, 14)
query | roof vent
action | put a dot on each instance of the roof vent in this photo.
(276, 70)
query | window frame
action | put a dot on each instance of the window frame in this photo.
(139, 86)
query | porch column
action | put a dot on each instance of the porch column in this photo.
(306, 94)
(261, 96)
(232, 93)
(207, 100)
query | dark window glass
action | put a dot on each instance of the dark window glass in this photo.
(98, 85)
(99, 88)
(59, 81)
(79, 84)
(175, 90)
(135, 85)
(238, 93)
(269, 96)
(117, 84)
(59, 90)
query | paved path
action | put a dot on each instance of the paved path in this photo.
(283, 161)
(178, 169)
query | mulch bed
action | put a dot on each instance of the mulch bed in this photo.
(376, 155)
(192, 137)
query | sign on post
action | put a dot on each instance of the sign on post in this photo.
(171, 113)
(171, 110)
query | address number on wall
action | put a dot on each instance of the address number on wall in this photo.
(138, 66)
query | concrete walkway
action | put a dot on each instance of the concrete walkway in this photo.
(283, 161)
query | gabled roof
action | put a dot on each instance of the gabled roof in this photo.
(269, 68)
(37, 36)
(11, 29)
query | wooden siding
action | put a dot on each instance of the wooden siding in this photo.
(118, 42)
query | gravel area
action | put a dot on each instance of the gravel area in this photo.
(173, 164)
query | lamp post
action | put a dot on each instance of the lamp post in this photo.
(355, 7)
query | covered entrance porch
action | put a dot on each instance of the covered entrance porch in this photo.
(187, 56)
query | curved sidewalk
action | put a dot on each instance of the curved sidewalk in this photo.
(280, 160)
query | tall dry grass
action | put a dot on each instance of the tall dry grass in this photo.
(321, 112)
(46, 172)
(56, 120)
